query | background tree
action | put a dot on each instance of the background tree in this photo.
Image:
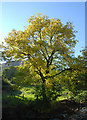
(46, 45)
(9, 73)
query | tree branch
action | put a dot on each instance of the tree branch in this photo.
(46, 51)
(51, 39)
(58, 73)
(44, 54)
(41, 75)
(28, 55)
(49, 61)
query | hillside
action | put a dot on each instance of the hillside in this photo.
(15, 63)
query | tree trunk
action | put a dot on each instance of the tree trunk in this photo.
(44, 92)
(43, 86)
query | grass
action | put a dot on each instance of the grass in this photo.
(17, 97)
(26, 94)
(22, 104)
(66, 94)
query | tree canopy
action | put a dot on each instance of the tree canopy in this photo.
(46, 47)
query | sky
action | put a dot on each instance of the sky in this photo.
(16, 14)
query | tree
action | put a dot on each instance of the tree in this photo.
(9, 73)
(46, 46)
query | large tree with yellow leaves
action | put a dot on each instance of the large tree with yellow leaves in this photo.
(46, 45)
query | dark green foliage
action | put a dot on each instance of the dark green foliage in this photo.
(9, 73)
(51, 94)
(6, 86)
